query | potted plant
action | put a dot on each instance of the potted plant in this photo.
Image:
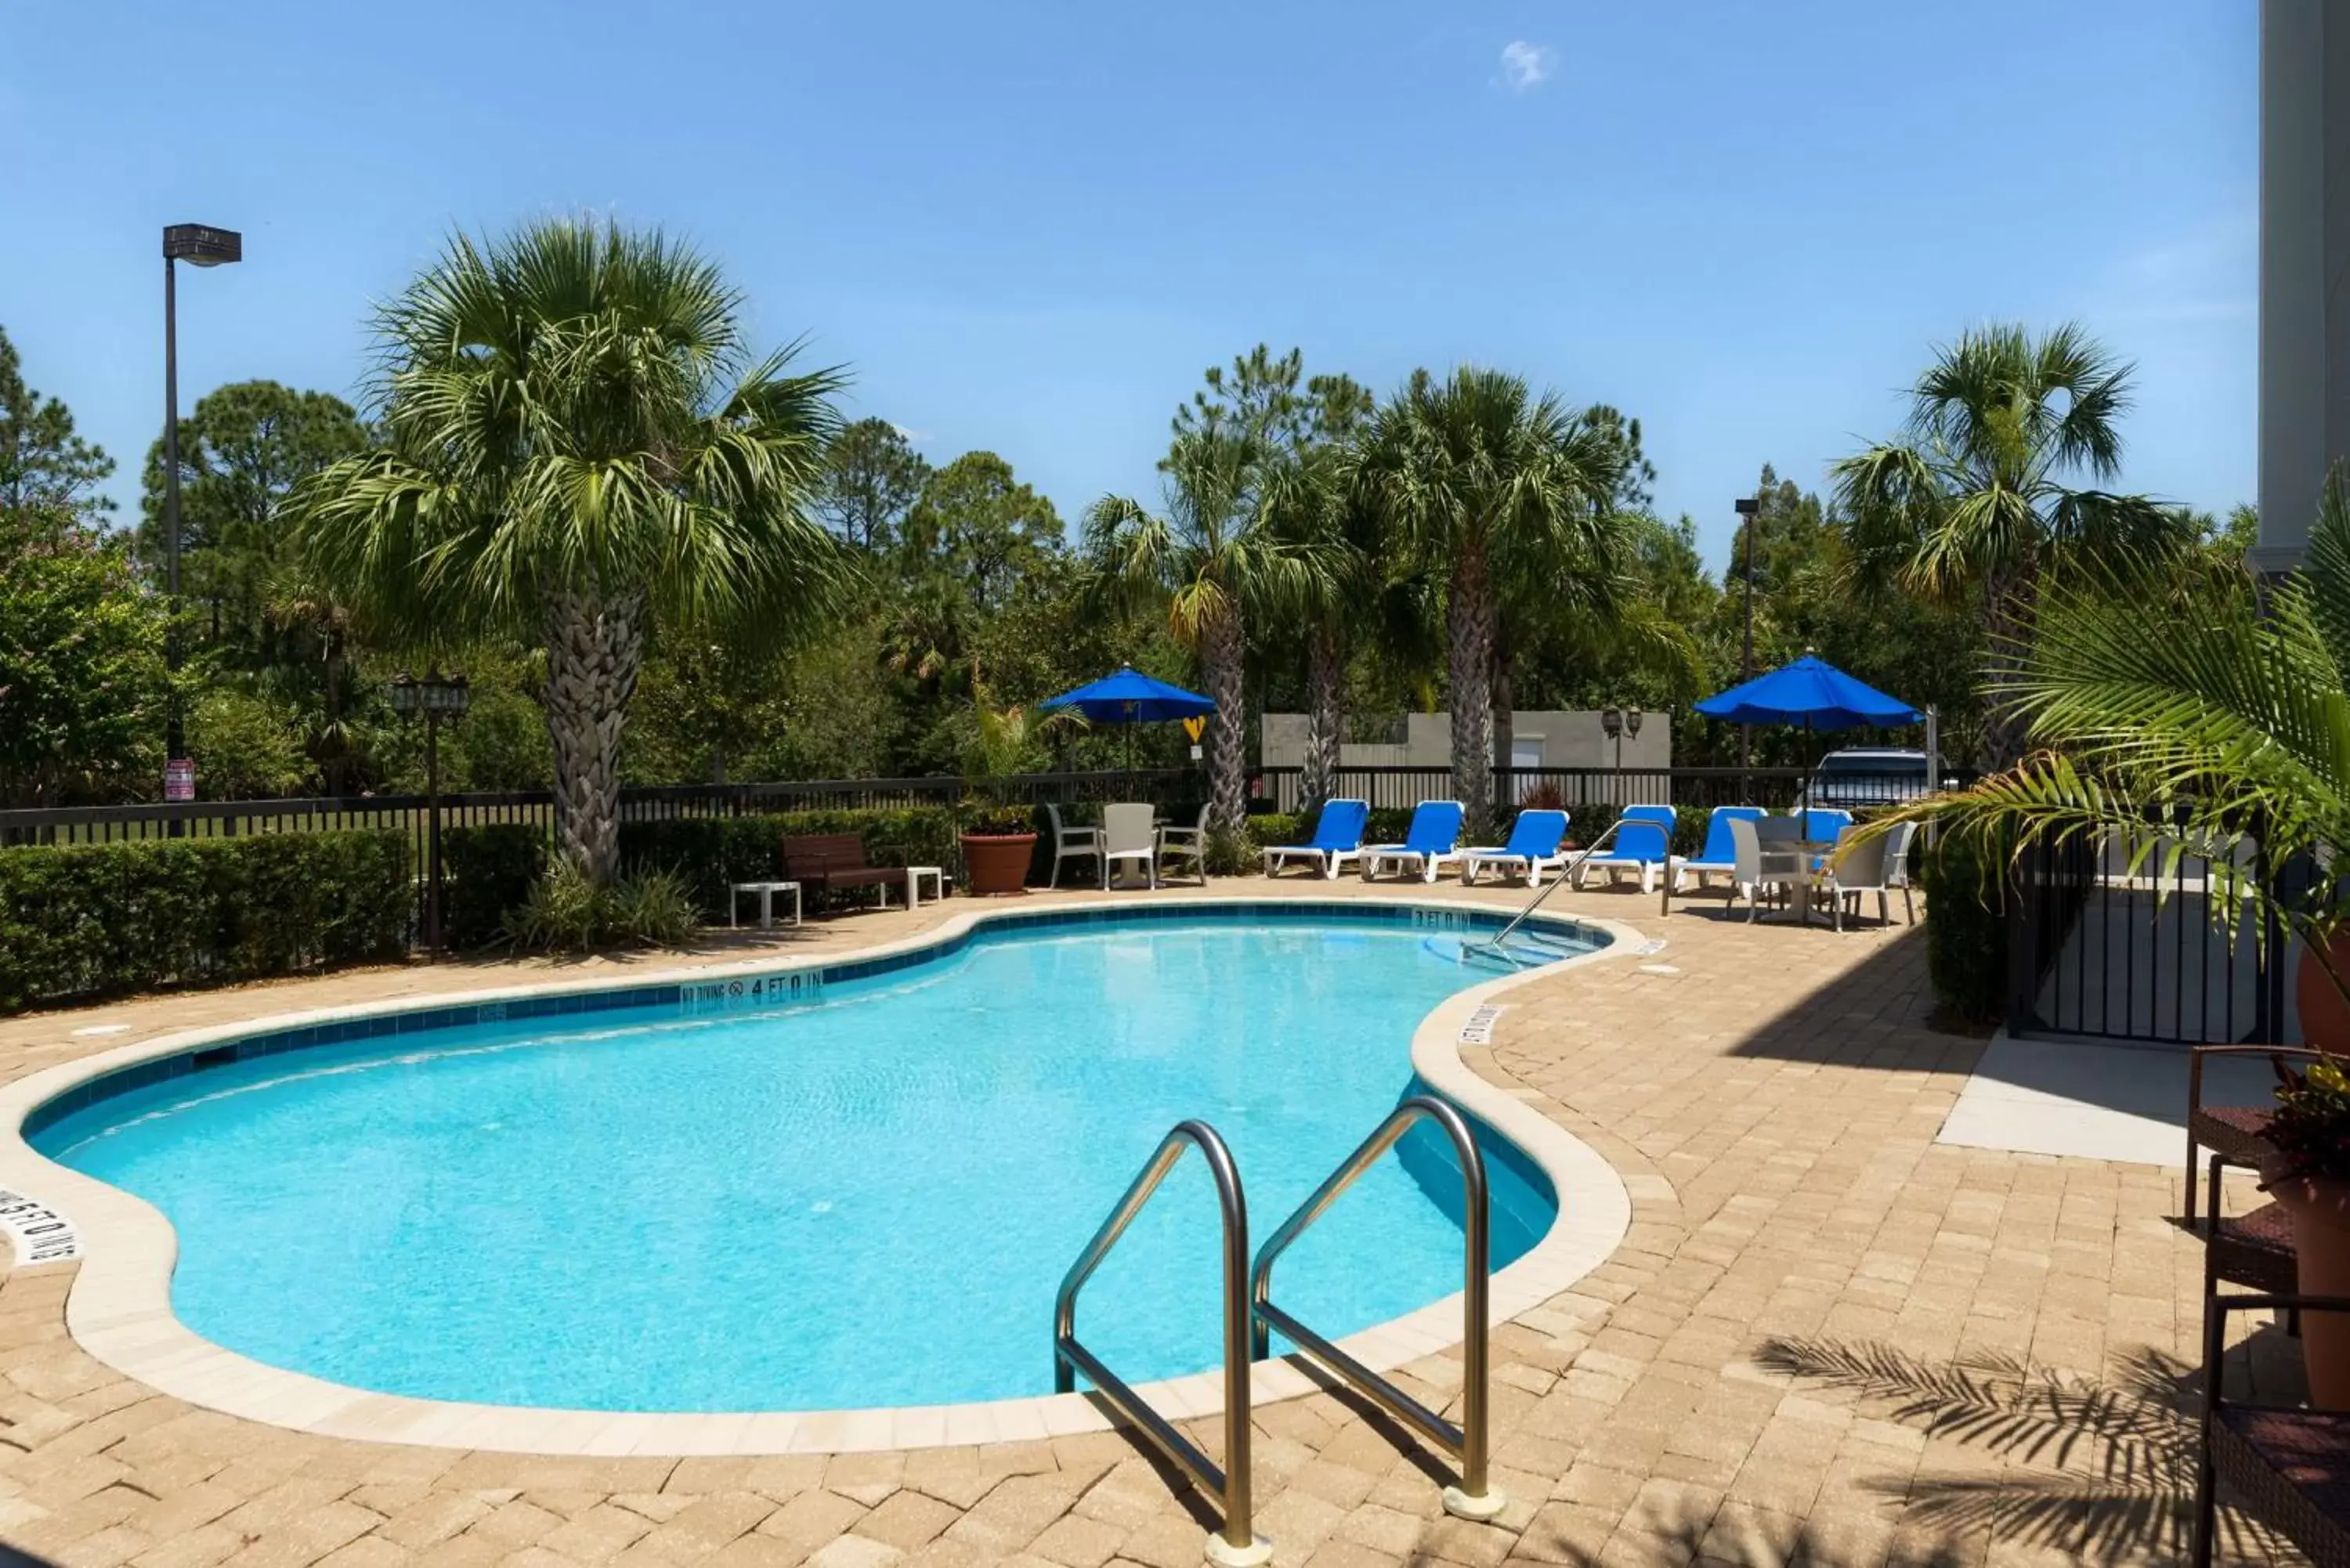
(2231, 726)
(999, 834)
(2309, 1176)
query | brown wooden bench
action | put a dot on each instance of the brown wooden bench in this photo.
(829, 862)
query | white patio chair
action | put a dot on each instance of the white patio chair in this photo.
(1070, 843)
(1855, 870)
(1896, 866)
(1128, 834)
(1192, 842)
(1758, 866)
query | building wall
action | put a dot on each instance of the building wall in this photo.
(1560, 740)
(2305, 330)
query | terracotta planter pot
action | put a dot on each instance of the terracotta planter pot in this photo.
(2320, 1208)
(998, 863)
(2325, 1014)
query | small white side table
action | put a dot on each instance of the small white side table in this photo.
(914, 875)
(766, 891)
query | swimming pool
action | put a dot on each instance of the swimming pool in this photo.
(852, 1187)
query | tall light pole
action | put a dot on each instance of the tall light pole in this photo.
(1749, 509)
(198, 245)
(440, 700)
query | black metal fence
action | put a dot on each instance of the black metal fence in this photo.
(2164, 953)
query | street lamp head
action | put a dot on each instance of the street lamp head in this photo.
(1748, 505)
(436, 696)
(448, 698)
(200, 245)
(1632, 722)
(1611, 721)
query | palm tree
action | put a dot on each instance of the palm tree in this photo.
(1498, 491)
(1978, 493)
(1212, 562)
(1309, 501)
(577, 437)
(2187, 698)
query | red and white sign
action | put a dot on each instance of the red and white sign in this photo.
(180, 779)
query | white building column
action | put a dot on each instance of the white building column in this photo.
(2305, 376)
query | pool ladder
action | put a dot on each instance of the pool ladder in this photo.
(1494, 949)
(1251, 1316)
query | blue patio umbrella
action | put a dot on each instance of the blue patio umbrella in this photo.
(1811, 692)
(1130, 697)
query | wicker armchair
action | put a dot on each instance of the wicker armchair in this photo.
(2235, 1131)
(2290, 1469)
(2254, 1250)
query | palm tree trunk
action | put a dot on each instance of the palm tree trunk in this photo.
(1221, 646)
(1325, 694)
(1504, 700)
(595, 648)
(1469, 638)
(2009, 597)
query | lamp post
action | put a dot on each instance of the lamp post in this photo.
(1616, 723)
(442, 700)
(198, 245)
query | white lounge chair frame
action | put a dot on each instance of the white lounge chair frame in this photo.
(1611, 864)
(1329, 862)
(1403, 862)
(1129, 834)
(1070, 843)
(1501, 864)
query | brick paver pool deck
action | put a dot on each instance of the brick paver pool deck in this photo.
(1825, 1338)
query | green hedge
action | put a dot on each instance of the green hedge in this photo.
(485, 871)
(1966, 932)
(711, 852)
(97, 919)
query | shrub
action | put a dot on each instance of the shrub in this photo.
(654, 908)
(1230, 853)
(487, 871)
(1266, 829)
(711, 852)
(566, 912)
(251, 747)
(97, 919)
(1965, 929)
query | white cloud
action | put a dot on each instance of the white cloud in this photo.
(1525, 67)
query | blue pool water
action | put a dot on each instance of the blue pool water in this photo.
(865, 1196)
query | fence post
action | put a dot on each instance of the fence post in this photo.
(2018, 887)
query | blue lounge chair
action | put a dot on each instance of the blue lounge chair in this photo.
(1337, 839)
(1534, 848)
(1719, 854)
(1823, 824)
(1644, 838)
(1431, 843)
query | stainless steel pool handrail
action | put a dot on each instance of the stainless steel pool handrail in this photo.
(1548, 889)
(1475, 1497)
(1237, 1545)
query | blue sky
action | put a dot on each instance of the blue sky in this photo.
(1029, 227)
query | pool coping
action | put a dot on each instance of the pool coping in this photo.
(119, 1307)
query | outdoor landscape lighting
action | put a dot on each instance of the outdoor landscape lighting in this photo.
(440, 700)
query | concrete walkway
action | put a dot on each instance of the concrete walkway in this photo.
(1828, 1337)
